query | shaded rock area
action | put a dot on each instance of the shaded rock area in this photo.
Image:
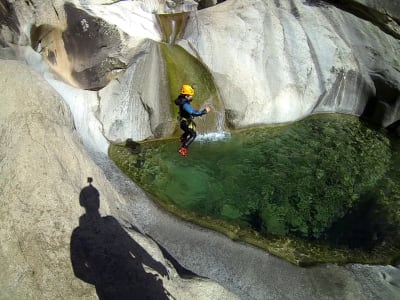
(384, 14)
(207, 3)
(103, 254)
(83, 50)
(84, 53)
(93, 47)
(9, 19)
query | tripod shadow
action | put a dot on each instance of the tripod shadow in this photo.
(103, 254)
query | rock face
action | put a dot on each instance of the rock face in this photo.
(85, 51)
(88, 53)
(42, 169)
(293, 58)
(137, 104)
(59, 238)
(296, 58)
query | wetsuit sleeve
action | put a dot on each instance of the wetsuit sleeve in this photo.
(187, 107)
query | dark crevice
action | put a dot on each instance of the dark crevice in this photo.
(182, 271)
(382, 109)
(8, 16)
(294, 10)
(207, 3)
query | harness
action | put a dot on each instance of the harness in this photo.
(189, 121)
(184, 116)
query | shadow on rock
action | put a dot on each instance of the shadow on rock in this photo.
(103, 254)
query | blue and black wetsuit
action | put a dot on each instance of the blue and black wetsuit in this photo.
(186, 115)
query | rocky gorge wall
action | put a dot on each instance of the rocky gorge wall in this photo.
(294, 58)
(272, 61)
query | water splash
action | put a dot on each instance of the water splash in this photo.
(213, 136)
(220, 118)
(219, 133)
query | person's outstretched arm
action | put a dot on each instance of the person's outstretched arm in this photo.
(194, 112)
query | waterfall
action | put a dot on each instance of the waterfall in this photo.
(219, 132)
(172, 26)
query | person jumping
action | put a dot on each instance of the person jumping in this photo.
(186, 116)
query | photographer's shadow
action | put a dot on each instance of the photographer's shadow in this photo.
(103, 254)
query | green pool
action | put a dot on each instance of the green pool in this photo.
(328, 180)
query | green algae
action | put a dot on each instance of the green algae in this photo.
(184, 68)
(299, 191)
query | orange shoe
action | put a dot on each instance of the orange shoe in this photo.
(182, 151)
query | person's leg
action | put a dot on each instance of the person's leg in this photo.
(189, 135)
(186, 132)
(190, 139)
(184, 136)
(185, 127)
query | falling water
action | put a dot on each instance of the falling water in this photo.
(219, 132)
(172, 22)
(184, 68)
(172, 26)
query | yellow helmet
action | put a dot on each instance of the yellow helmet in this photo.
(187, 90)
